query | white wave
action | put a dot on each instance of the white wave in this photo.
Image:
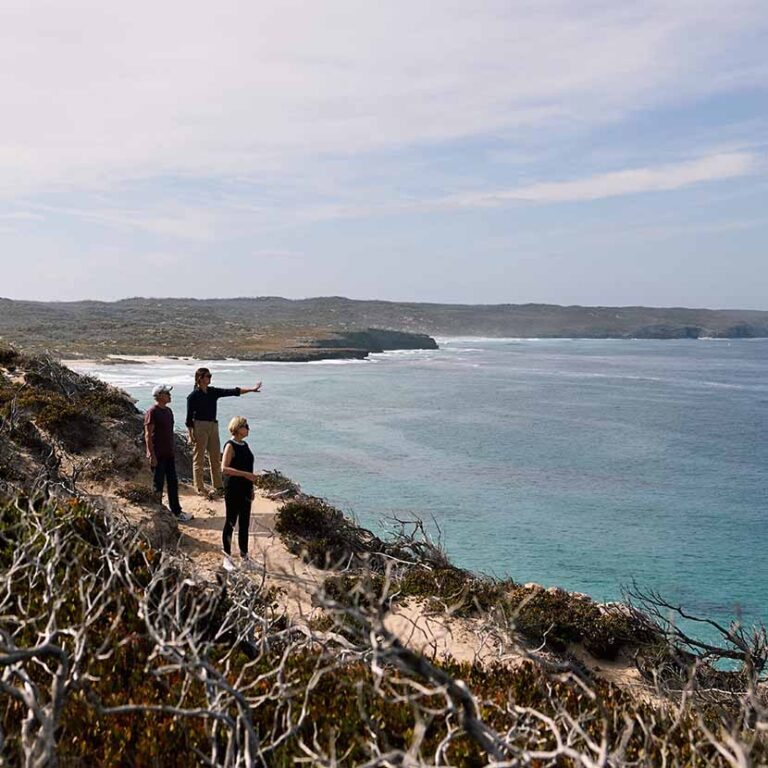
(671, 381)
(505, 339)
(400, 353)
(725, 385)
(350, 361)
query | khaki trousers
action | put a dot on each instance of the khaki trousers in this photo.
(206, 440)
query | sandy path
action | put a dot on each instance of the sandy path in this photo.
(201, 542)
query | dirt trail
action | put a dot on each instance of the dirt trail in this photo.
(201, 542)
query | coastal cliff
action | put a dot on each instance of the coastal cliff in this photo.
(123, 641)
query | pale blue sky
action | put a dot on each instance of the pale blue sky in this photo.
(579, 152)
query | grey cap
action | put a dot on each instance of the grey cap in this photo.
(161, 388)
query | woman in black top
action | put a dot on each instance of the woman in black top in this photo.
(237, 468)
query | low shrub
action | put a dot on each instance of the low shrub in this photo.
(348, 701)
(323, 622)
(118, 662)
(9, 356)
(319, 532)
(138, 494)
(59, 416)
(559, 618)
(108, 403)
(7, 391)
(308, 518)
(463, 593)
(70, 408)
(676, 669)
(276, 482)
(326, 538)
(364, 590)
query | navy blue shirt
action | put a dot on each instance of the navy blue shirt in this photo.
(202, 405)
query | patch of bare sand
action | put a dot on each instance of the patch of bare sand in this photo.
(200, 540)
(622, 672)
(437, 635)
(123, 360)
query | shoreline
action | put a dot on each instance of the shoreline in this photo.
(323, 354)
(126, 360)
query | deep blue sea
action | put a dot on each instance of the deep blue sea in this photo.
(578, 463)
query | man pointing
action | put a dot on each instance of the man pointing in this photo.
(203, 427)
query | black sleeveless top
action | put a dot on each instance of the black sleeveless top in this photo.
(242, 460)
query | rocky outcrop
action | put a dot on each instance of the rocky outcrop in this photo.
(344, 345)
(375, 340)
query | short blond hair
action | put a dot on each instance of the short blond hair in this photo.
(236, 423)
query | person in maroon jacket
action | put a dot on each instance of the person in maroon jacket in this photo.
(203, 427)
(158, 436)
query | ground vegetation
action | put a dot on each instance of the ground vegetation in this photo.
(115, 650)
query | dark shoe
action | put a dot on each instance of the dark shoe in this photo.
(184, 517)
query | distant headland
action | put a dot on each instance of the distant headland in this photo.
(276, 329)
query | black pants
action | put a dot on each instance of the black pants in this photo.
(165, 471)
(238, 506)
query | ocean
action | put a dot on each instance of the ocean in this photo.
(585, 464)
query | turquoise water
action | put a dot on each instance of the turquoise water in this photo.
(580, 463)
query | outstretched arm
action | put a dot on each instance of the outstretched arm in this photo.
(234, 392)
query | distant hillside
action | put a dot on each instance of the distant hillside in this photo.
(276, 328)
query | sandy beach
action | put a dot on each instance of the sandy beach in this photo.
(124, 360)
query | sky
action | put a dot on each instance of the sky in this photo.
(568, 152)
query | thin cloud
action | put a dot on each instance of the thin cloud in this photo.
(617, 183)
(20, 216)
(278, 255)
(190, 223)
(662, 178)
(147, 90)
